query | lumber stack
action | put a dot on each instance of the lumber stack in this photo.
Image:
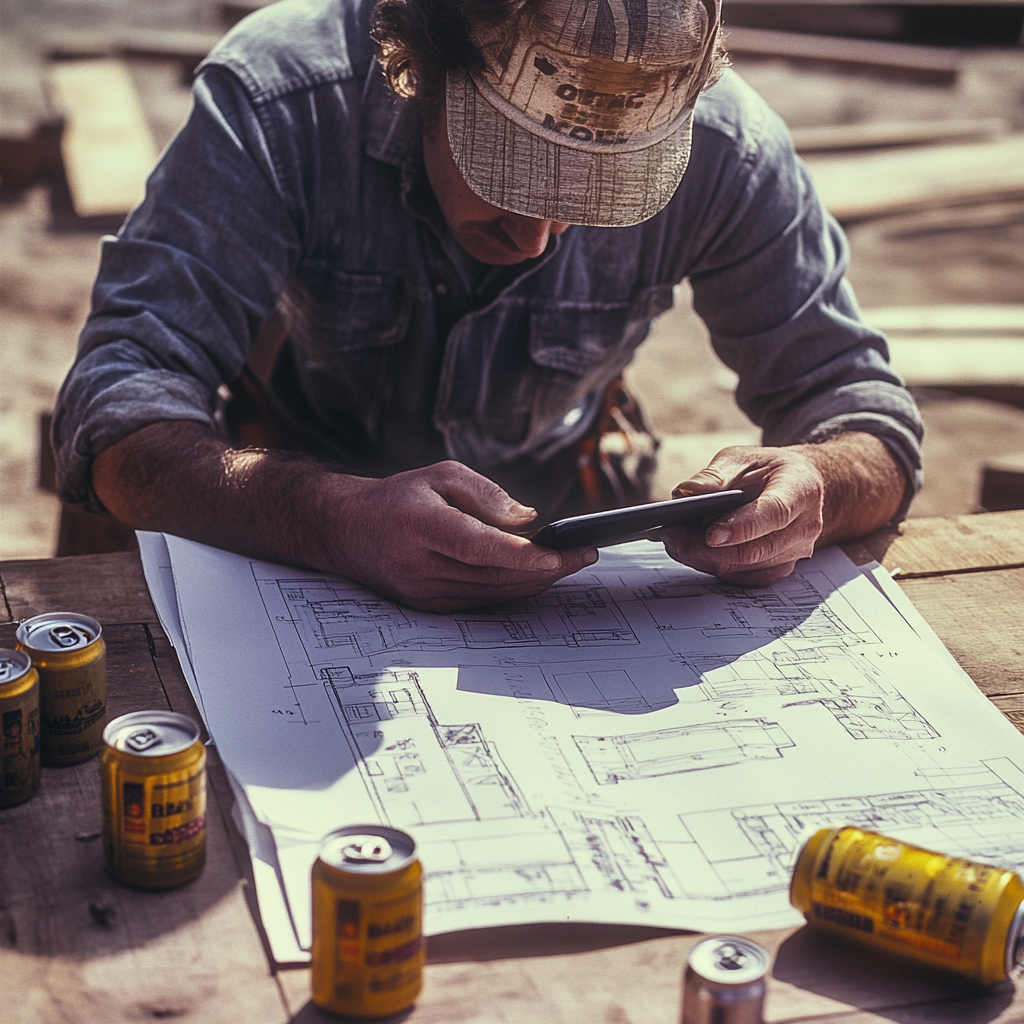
(955, 346)
(107, 148)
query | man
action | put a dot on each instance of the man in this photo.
(452, 274)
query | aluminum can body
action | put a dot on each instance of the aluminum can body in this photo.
(945, 911)
(724, 982)
(154, 799)
(368, 947)
(19, 714)
(70, 656)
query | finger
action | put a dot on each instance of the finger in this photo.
(474, 494)
(445, 584)
(778, 507)
(735, 466)
(687, 546)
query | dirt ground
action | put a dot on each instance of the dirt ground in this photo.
(45, 279)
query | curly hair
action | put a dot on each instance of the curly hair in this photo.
(420, 41)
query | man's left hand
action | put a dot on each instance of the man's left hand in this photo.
(810, 495)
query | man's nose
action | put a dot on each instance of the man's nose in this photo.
(529, 235)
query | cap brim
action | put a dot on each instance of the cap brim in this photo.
(516, 170)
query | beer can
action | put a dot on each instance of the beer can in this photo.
(724, 982)
(368, 948)
(944, 911)
(70, 656)
(154, 799)
(19, 714)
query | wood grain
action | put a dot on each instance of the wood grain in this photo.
(854, 186)
(926, 547)
(190, 953)
(110, 587)
(980, 619)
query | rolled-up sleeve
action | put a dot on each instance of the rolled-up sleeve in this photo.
(768, 280)
(184, 287)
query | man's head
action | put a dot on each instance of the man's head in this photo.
(570, 111)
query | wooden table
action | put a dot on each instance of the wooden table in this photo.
(77, 947)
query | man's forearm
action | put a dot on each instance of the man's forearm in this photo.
(182, 478)
(864, 485)
(439, 538)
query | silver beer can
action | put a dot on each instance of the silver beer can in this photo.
(724, 982)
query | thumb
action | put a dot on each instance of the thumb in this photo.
(724, 471)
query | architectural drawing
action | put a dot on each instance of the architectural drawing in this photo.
(639, 744)
(751, 850)
(335, 620)
(417, 770)
(687, 748)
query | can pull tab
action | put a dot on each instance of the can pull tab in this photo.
(8, 669)
(64, 636)
(374, 849)
(141, 740)
(729, 957)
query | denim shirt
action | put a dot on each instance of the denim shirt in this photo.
(297, 185)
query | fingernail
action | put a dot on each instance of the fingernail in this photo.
(718, 537)
(516, 509)
(550, 561)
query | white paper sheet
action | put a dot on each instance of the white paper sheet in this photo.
(640, 744)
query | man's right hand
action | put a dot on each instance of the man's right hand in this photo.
(434, 538)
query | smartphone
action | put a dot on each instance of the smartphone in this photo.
(602, 529)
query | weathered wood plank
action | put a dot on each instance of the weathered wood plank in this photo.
(109, 587)
(922, 547)
(1012, 705)
(107, 146)
(980, 619)
(872, 134)
(1002, 482)
(189, 953)
(555, 974)
(875, 184)
(923, 63)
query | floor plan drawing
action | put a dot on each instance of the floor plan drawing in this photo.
(690, 748)
(752, 849)
(639, 744)
(334, 620)
(417, 770)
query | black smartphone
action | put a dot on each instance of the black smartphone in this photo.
(602, 529)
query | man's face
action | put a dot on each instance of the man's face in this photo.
(485, 232)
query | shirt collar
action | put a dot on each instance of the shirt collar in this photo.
(392, 129)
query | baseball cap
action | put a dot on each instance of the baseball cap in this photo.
(583, 112)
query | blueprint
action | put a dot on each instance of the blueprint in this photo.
(640, 744)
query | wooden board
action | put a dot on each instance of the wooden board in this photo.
(110, 588)
(980, 619)
(190, 952)
(928, 547)
(925, 63)
(873, 134)
(527, 975)
(107, 146)
(861, 185)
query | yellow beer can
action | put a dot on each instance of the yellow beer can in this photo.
(368, 948)
(154, 799)
(944, 911)
(19, 714)
(70, 656)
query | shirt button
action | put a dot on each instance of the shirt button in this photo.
(441, 289)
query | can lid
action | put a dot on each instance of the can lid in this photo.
(13, 665)
(58, 631)
(368, 849)
(729, 960)
(1015, 942)
(151, 733)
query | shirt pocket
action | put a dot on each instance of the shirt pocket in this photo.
(578, 348)
(335, 312)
